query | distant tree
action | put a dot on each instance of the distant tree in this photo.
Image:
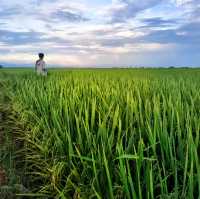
(185, 67)
(171, 67)
(1, 66)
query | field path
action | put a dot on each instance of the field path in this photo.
(3, 176)
(10, 176)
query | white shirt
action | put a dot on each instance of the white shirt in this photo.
(40, 65)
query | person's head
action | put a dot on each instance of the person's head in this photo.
(41, 55)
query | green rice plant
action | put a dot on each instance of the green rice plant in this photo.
(109, 133)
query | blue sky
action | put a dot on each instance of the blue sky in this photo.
(100, 32)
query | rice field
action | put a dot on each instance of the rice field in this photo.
(108, 133)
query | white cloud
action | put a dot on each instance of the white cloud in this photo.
(68, 43)
(181, 2)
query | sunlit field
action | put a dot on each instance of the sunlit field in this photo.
(108, 133)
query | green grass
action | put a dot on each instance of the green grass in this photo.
(116, 133)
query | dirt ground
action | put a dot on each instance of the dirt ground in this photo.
(3, 177)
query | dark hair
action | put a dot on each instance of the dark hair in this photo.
(41, 55)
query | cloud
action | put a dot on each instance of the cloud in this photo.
(158, 22)
(17, 38)
(182, 2)
(110, 32)
(68, 16)
(10, 11)
(186, 34)
(30, 37)
(122, 10)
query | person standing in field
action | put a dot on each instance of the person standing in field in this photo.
(40, 65)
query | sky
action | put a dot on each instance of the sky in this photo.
(100, 33)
